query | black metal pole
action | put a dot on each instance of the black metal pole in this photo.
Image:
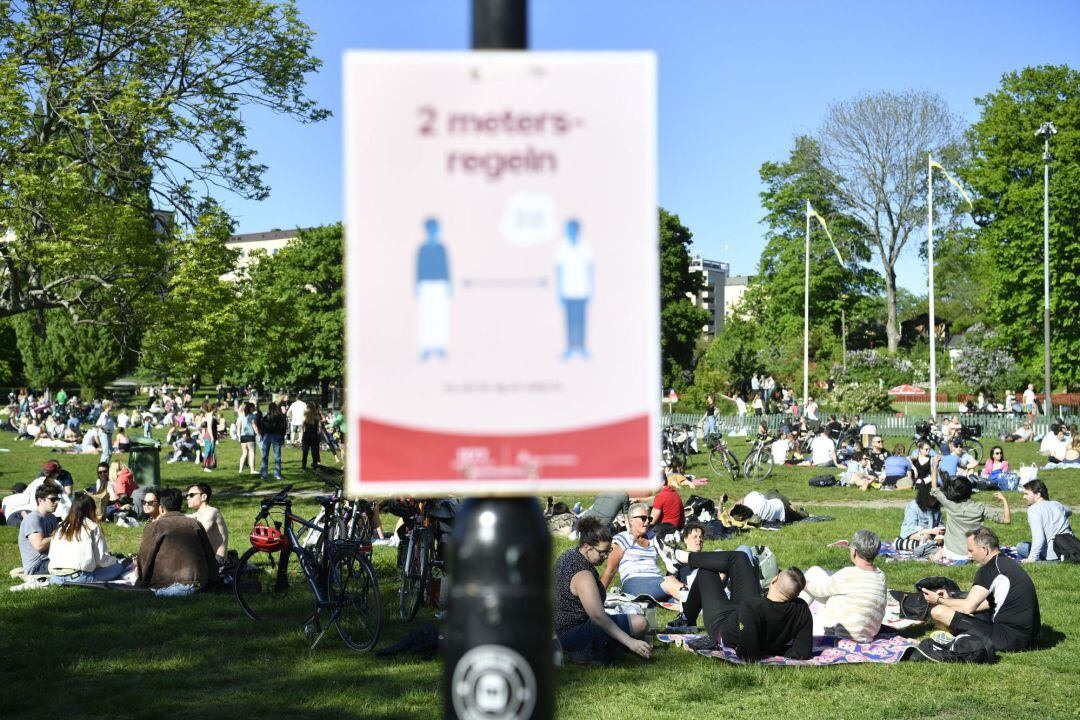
(500, 25)
(498, 654)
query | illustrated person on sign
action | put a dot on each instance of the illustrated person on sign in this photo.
(574, 283)
(433, 293)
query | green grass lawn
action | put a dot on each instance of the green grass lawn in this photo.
(79, 652)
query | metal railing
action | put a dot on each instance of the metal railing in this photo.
(993, 424)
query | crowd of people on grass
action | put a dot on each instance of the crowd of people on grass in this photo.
(758, 613)
(61, 536)
(100, 427)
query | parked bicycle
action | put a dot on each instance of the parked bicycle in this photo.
(758, 464)
(353, 520)
(678, 442)
(422, 554)
(721, 459)
(925, 432)
(279, 580)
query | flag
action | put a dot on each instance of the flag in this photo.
(935, 164)
(811, 212)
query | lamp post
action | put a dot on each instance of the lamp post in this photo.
(1046, 130)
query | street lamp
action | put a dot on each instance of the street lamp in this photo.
(1045, 131)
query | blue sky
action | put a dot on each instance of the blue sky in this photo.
(738, 82)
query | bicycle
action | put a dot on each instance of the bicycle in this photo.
(341, 578)
(758, 464)
(354, 521)
(678, 441)
(721, 459)
(421, 559)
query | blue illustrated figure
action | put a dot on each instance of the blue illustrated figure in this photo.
(574, 283)
(433, 294)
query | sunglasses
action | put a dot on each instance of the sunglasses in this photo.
(601, 553)
(149, 502)
(642, 518)
(191, 495)
(53, 498)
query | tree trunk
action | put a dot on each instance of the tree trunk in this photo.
(891, 331)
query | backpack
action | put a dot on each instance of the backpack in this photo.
(695, 505)
(822, 481)
(767, 564)
(963, 648)
(1067, 547)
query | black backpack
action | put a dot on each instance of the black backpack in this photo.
(964, 648)
(822, 481)
(1067, 547)
(695, 505)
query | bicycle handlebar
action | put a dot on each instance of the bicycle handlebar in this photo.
(278, 499)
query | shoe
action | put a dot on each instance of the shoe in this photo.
(207, 470)
(681, 626)
(576, 509)
(941, 637)
(667, 554)
(702, 643)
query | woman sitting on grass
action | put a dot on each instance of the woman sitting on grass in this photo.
(634, 556)
(964, 514)
(78, 553)
(585, 631)
(922, 530)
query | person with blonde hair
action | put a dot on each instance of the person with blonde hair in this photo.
(78, 552)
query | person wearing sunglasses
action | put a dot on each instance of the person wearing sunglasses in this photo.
(634, 556)
(211, 519)
(587, 633)
(37, 528)
(996, 464)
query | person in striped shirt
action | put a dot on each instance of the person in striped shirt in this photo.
(853, 598)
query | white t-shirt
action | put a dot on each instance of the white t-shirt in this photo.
(768, 510)
(1052, 446)
(821, 450)
(779, 450)
(1029, 397)
(575, 264)
(812, 410)
(123, 420)
(296, 412)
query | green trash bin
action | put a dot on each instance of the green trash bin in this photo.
(145, 461)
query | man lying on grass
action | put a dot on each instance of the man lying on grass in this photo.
(1001, 606)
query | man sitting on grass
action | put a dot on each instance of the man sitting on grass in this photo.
(211, 519)
(854, 598)
(756, 627)
(957, 462)
(1047, 519)
(822, 450)
(1001, 606)
(175, 549)
(36, 529)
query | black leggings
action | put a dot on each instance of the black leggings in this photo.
(309, 443)
(707, 594)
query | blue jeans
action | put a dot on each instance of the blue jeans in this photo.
(710, 425)
(646, 585)
(268, 440)
(1023, 549)
(588, 643)
(103, 574)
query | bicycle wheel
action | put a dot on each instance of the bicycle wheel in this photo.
(271, 587)
(411, 578)
(761, 467)
(354, 588)
(716, 461)
(974, 448)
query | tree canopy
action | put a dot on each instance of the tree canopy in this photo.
(680, 320)
(108, 110)
(1006, 171)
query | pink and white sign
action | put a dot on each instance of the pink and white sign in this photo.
(502, 276)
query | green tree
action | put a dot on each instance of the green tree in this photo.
(731, 358)
(192, 328)
(1006, 172)
(680, 320)
(294, 317)
(55, 348)
(776, 297)
(110, 109)
(876, 144)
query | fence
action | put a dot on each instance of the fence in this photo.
(993, 424)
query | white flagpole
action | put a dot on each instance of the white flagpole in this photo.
(806, 318)
(930, 268)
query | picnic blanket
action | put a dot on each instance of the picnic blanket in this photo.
(891, 554)
(614, 600)
(827, 651)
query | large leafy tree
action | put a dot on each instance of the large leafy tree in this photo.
(876, 146)
(293, 304)
(1006, 171)
(680, 320)
(776, 297)
(110, 109)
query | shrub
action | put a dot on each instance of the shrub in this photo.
(862, 398)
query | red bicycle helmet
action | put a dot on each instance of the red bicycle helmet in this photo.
(266, 538)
